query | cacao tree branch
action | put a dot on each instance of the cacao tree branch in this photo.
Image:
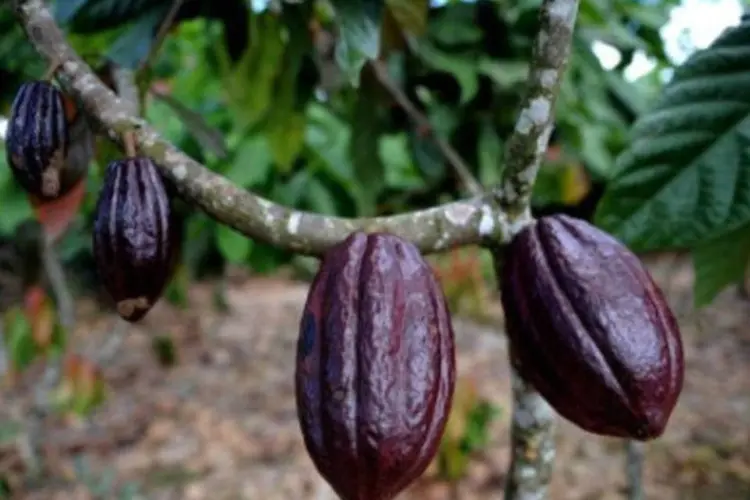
(474, 221)
(533, 420)
(423, 124)
(528, 143)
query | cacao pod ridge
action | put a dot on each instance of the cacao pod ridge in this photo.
(375, 369)
(589, 328)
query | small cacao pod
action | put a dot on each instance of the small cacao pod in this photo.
(590, 330)
(38, 140)
(134, 238)
(375, 369)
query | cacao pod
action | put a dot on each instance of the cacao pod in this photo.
(134, 238)
(590, 329)
(38, 140)
(375, 369)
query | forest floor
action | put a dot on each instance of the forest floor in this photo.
(221, 423)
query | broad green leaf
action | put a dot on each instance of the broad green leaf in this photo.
(65, 9)
(252, 163)
(250, 83)
(490, 155)
(287, 138)
(507, 74)
(400, 172)
(463, 69)
(287, 123)
(685, 178)
(235, 247)
(131, 48)
(86, 16)
(359, 24)
(453, 28)
(719, 263)
(319, 198)
(367, 126)
(207, 136)
(410, 14)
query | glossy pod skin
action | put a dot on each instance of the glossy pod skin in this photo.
(590, 330)
(38, 140)
(375, 370)
(134, 240)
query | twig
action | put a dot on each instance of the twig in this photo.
(635, 458)
(30, 442)
(127, 90)
(161, 35)
(56, 275)
(423, 125)
(533, 421)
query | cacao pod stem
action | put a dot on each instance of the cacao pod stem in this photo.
(129, 142)
(53, 67)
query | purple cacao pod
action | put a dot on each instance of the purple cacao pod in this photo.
(590, 330)
(38, 141)
(134, 238)
(375, 370)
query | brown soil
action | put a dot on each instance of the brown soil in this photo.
(221, 424)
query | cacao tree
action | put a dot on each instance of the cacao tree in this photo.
(136, 231)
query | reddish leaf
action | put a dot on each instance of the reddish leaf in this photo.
(55, 216)
(71, 108)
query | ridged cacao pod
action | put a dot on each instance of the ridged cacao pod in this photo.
(38, 140)
(134, 240)
(375, 370)
(590, 330)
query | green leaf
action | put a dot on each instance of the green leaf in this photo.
(286, 129)
(463, 69)
(410, 14)
(401, 172)
(21, 345)
(251, 83)
(719, 263)
(65, 9)
(320, 198)
(86, 16)
(359, 41)
(207, 136)
(252, 163)
(131, 48)
(287, 138)
(235, 247)
(685, 178)
(490, 154)
(367, 125)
